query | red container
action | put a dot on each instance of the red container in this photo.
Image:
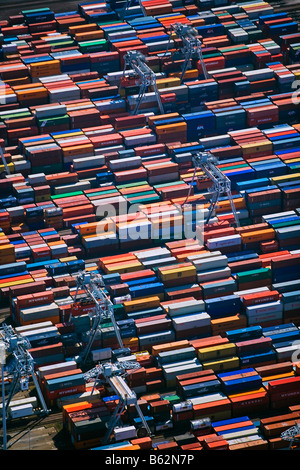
(260, 297)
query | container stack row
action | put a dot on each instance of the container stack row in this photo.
(210, 311)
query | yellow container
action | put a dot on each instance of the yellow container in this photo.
(169, 346)
(68, 258)
(10, 166)
(136, 305)
(251, 148)
(258, 235)
(71, 134)
(83, 28)
(285, 178)
(244, 394)
(214, 352)
(124, 267)
(130, 342)
(279, 376)
(7, 249)
(170, 128)
(167, 82)
(228, 323)
(17, 283)
(51, 67)
(239, 203)
(226, 363)
(89, 35)
(169, 274)
(189, 74)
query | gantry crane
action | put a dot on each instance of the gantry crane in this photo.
(20, 366)
(292, 434)
(191, 46)
(4, 161)
(207, 162)
(113, 374)
(136, 61)
(92, 284)
(130, 3)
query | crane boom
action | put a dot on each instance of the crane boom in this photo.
(191, 46)
(93, 285)
(136, 61)
(221, 183)
(130, 3)
(113, 374)
(21, 365)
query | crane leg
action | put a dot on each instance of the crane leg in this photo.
(45, 409)
(113, 420)
(212, 206)
(140, 97)
(138, 409)
(160, 105)
(12, 389)
(229, 195)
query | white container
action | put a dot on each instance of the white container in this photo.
(219, 242)
(21, 411)
(88, 162)
(125, 163)
(211, 397)
(210, 263)
(34, 326)
(264, 309)
(203, 255)
(214, 274)
(185, 307)
(101, 354)
(124, 432)
(24, 401)
(183, 406)
(56, 368)
(187, 322)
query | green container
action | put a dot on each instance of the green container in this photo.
(254, 275)
(93, 46)
(54, 121)
(173, 399)
(97, 193)
(47, 169)
(153, 198)
(132, 185)
(59, 196)
(16, 115)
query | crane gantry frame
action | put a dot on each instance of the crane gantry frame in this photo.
(136, 61)
(113, 374)
(221, 183)
(128, 4)
(92, 284)
(191, 46)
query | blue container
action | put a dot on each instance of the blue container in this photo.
(258, 358)
(244, 334)
(223, 306)
(199, 124)
(242, 385)
(197, 389)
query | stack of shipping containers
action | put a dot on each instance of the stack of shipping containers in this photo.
(211, 312)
